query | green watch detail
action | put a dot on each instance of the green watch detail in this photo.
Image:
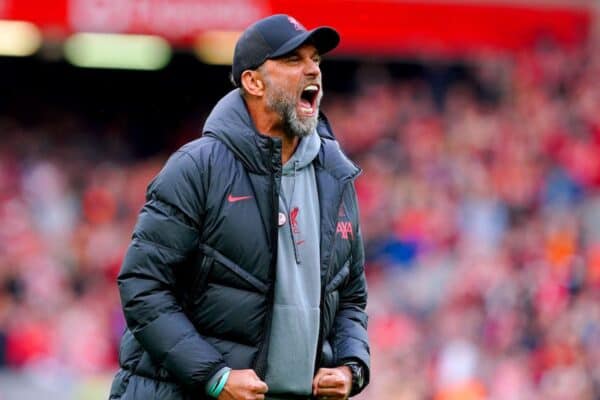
(216, 389)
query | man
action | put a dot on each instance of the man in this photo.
(244, 278)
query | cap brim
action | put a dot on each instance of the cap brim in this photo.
(323, 38)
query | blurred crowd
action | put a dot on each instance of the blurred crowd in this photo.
(482, 219)
(480, 204)
(67, 205)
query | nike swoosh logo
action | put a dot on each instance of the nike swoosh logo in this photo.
(233, 199)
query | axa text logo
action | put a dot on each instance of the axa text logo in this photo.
(344, 228)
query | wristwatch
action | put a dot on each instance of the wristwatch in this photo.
(358, 376)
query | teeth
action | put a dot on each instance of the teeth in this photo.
(311, 88)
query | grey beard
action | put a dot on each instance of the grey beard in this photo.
(293, 126)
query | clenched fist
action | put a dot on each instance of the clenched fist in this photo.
(333, 383)
(243, 384)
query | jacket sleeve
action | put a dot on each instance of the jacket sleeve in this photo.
(350, 341)
(166, 234)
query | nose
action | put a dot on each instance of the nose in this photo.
(312, 68)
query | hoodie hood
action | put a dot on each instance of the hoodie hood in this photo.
(305, 153)
(230, 122)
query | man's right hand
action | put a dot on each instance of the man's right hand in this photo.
(243, 384)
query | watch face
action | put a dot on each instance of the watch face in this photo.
(357, 375)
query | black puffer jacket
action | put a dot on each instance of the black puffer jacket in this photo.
(197, 281)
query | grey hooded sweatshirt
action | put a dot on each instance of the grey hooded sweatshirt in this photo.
(295, 325)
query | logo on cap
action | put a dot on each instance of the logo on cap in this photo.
(297, 25)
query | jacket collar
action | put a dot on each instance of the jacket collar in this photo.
(230, 122)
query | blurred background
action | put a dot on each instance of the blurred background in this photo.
(477, 124)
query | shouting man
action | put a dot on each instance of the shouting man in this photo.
(245, 276)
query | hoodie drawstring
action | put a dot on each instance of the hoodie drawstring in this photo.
(289, 214)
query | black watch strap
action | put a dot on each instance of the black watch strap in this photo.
(358, 376)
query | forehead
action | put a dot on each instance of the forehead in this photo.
(305, 51)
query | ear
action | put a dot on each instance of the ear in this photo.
(253, 83)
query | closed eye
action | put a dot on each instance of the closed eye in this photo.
(292, 58)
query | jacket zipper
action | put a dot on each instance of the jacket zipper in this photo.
(260, 362)
(322, 302)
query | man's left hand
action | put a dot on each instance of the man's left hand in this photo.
(333, 383)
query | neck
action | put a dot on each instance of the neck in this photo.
(270, 124)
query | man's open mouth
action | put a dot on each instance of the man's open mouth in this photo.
(308, 99)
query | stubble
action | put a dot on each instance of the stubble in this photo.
(285, 104)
